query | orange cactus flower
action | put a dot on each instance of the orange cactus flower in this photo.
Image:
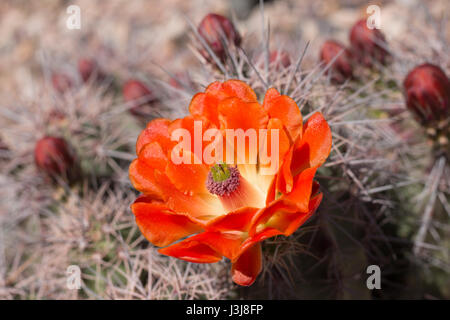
(202, 212)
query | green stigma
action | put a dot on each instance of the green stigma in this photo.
(220, 172)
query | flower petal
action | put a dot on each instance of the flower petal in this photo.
(232, 88)
(288, 222)
(284, 108)
(156, 130)
(266, 233)
(188, 178)
(315, 146)
(160, 225)
(142, 177)
(200, 207)
(285, 180)
(227, 244)
(153, 155)
(310, 151)
(261, 219)
(245, 270)
(192, 251)
(270, 160)
(283, 213)
(232, 113)
(205, 106)
(301, 192)
(236, 220)
(195, 128)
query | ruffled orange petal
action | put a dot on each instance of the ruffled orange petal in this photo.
(232, 111)
(224, 243)
(156, 130)
(261, 218)
(285, 179)
(287, 206)
(266, 154)
(266, 233)
(142, 177)
(272, 191)
(201, 207)
(236, 220)
(315, 146)
(205, 106)
(225, 234)
(283, 216)
(160, 225)
(153, 155)
(192, 251)
(232, 88)
(288, 222)
(141, 170)
(188, 178)
(284, 108)
(310, 151)
(301, 192)
(245, 270)
(196, 129)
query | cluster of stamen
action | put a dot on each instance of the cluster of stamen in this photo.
(222, 180)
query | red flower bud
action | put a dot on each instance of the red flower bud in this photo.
(55, 157)
(88, 68)
(368, 45)
(427, 91)
(61, 82)
(140, 97)
(218, 32)
(280, 58)
(342, 68)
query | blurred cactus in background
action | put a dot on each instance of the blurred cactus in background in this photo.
(61, 82)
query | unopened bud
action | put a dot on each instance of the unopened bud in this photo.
(54, 156)
(341, 68)
(140, 97)
(280, 58)
(89, 68)
(219, 33)
(368, 45)
(427, 92)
